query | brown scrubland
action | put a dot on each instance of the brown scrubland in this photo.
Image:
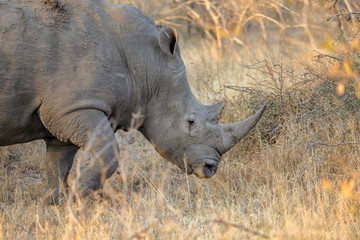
(295, 176)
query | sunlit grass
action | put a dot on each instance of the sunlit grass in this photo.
(296, 176)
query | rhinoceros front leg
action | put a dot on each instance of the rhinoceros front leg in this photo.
(58, 161)
(88, 129)
(103, 146)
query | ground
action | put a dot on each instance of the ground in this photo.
(295, 176)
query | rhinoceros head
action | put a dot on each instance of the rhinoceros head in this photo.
(182, 130)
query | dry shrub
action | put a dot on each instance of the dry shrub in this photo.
(237, 22)
(309, 137)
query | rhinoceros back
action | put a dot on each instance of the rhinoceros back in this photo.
(52, 50)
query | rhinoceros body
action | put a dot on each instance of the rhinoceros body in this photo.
(73, 72)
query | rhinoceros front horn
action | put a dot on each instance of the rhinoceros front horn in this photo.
(232, 133)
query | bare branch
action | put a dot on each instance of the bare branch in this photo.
(314, 144)
(238, 226)
(333, 17)
(322, 55)
(13, 219)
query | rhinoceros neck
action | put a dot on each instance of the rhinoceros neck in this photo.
(158, 93)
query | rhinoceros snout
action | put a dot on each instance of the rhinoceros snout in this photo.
(207, 169)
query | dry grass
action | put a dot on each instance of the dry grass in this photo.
(296, 176)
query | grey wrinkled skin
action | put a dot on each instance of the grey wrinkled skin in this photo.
(72, 72)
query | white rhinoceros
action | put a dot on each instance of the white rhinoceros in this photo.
(72, 72)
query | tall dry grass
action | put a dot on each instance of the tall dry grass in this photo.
(295, 176)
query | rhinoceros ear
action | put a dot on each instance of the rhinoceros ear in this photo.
(214, 112)
(168, 39)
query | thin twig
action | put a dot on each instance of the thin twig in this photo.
(13, 219)
(256, 233)
(321, 55)
(339, 14)
(314, 144)
(344, 104)
(255, 65)
(327, 154)
(333, 5)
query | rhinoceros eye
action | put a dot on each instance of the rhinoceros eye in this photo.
(190, 122)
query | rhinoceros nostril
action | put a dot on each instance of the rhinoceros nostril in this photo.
(209, 170)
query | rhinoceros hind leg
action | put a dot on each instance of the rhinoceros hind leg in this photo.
(58, 162)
